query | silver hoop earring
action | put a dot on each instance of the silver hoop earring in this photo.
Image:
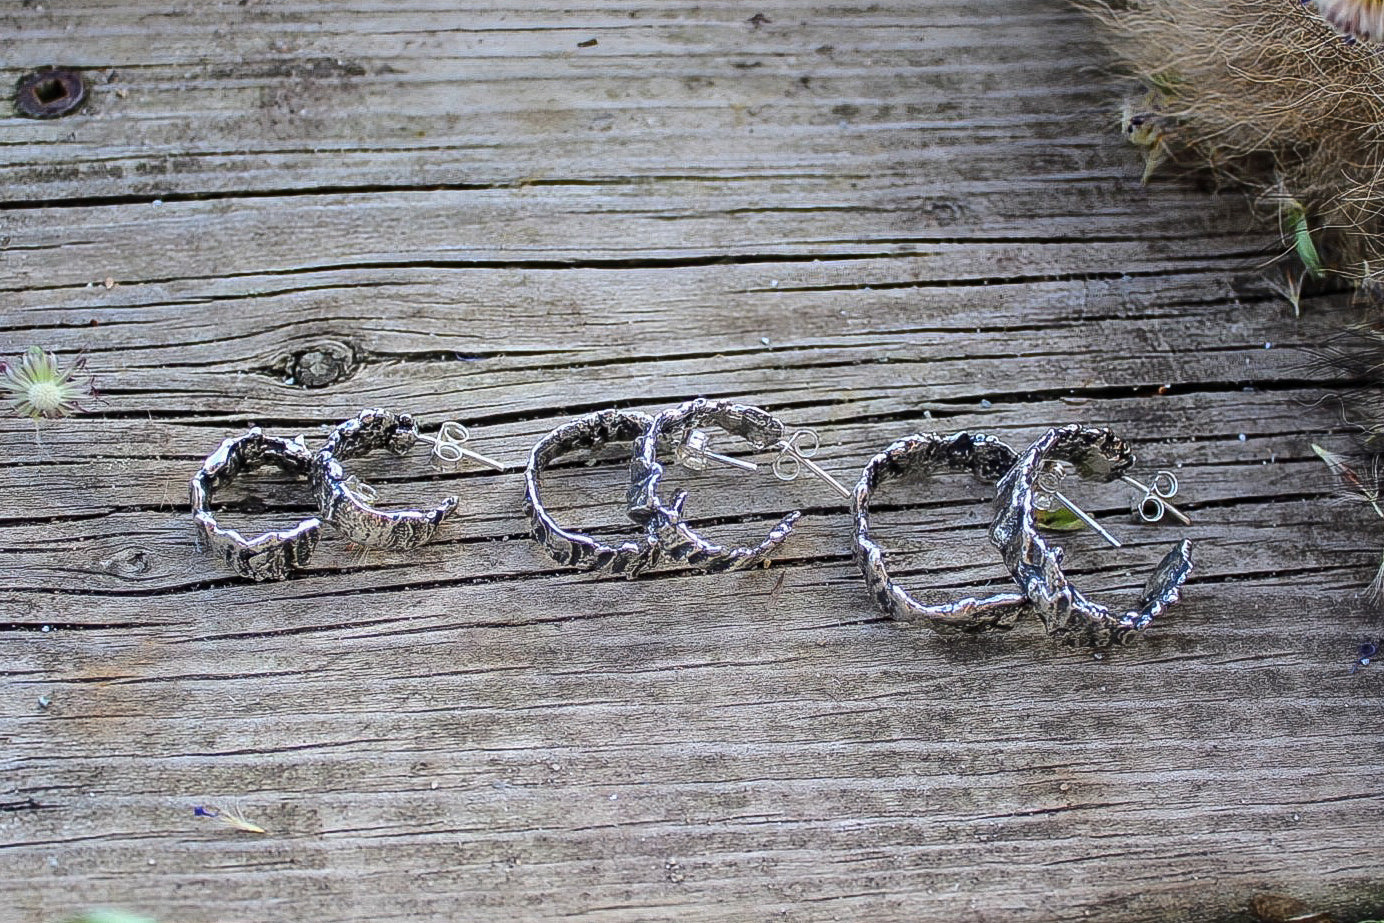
(347, 502)
(569, 547)
(273, 555)
(985, 457)
(665, 521)
(1069, 616)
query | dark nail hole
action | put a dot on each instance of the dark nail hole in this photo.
(49, 91)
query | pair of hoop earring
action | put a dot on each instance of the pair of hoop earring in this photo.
(344, 501)
(666, 532)
(1023, 483)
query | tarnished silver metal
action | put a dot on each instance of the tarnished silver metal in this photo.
(919, 455)
(576, 549)
(664, 521)
(346, 502)
(1069, 616)
(273, 555)
(795, 455)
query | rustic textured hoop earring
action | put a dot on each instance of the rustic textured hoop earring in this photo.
(1069, 616)
(985, 457)
(575, 548)
(346, 501)
(664, 521)
(273, 555)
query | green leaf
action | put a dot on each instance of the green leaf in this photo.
(1168, 81)
(1301, 231)
(1058, 520)
(109, 916)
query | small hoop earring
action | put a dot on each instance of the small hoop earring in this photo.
(576, 549)
(347, 502)
(1069, 616)
(985, 457)
(664, 522)
(273, 555)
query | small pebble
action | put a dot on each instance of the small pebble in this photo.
(764, 340)
(44, 701)
(1243, 437)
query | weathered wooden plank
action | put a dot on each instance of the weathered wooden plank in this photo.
(871, 219)
(692, 758)
(632, 315)
(282, 245)
(226, 99)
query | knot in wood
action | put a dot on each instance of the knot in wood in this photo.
(323, 365)
(131, 564)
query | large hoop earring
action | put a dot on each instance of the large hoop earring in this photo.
(273, 555)
(346, 502)
(985, 457)
(664, 521)
(1068, 615)
(569, 547)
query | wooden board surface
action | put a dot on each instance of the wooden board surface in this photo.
(870, 219)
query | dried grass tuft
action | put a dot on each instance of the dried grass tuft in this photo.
(1264, 93)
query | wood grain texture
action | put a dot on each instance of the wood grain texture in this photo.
(871, 219)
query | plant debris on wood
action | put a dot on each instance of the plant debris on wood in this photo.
(1267, 94)
(230, 818)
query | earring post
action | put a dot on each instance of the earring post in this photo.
(480, 459)
(693, 453)
(1085, 517)
(1160, 499)
(448, 448)
(789, 449)
(732, 462)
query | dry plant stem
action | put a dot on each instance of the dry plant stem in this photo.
(1267, 93)
(1355, 488)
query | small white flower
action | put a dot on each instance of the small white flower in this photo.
(39, 388)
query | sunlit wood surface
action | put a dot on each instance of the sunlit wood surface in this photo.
(869, 219)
